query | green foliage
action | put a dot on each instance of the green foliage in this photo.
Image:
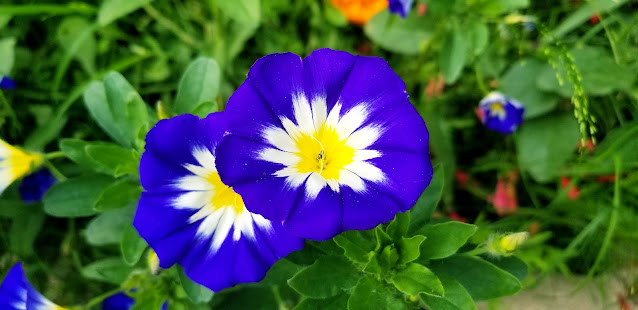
(416, 279)
(545, 144)
(481, 279)
(118, 109)
(197, 293)
(198, 86)
(444, 239)
(75, 197)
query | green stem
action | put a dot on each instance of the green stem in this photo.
(10, 112)
(98, 299)
(54, 171)
(479, 80)
(54, 155)
(162, 20)
(477, 251)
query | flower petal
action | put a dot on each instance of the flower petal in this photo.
(16, 293)
(188, 216)
(401, 7)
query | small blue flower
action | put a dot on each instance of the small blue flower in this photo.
(7, 82)
(121, 301)
(188, 216)
(500, 113)
(324, 144)
(401, 7)
(16, 293)
(34, 186)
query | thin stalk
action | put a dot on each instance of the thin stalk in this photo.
(54, 171)
(176, 30)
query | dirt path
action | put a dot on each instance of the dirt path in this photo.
(556, 292)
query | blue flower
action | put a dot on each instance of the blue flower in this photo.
(35, 185)
(401, 7)
(188, 216)
(121, 301)
(16, 293)
(324, 144)
(500, 113)
(6, 82)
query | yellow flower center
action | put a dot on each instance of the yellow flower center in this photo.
(323, 152)
(497, 109)
(223, 195)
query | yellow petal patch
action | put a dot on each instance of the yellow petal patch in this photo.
(324, 153)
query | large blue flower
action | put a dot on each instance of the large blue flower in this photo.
(500, 113)
(188, 216)
(7, 82)
(324, 144)
(401, 7)
(16, 293)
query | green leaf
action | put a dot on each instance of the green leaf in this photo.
(357, 244)
(416, 279)
(7, 54)
(111, 10)
(481, 279)
(280, 272)
(543, 145)
(132, 246)
(515, 83)
(478, 34)
(372, 294)
(118, 109)
(383, 239)
(119, 194)
(75, 197)
(453, 55)
(25, 229)
(404, 36)
(198, 85)
(338, 302)
(108, 227)
(242, 11)
(409, 248)
(70, 29)
(444, 239)
(111, 270)
(599, 74)
(619, 142)
(205, 108)
(197, 293)
(456, 297)
(75, 150)
(116, 159)
(511, 264)
(327, 277)
(422, 211)
(583, 14)
(399, 226)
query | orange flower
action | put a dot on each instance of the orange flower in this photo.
(573, 191)
(360, 11)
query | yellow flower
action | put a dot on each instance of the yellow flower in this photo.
(15, 163)
(505, 245)
(360, 11)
